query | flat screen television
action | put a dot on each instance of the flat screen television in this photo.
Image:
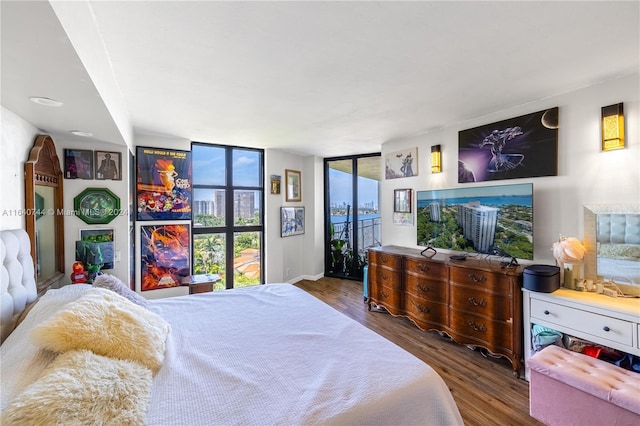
(492, 220)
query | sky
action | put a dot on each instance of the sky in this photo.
(340, 188)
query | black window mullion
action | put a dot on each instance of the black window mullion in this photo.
(229, 219)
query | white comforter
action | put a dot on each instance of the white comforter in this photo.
(264, 355)
(275, 355)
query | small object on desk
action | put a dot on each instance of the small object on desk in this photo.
(458, 257)
(201, 283)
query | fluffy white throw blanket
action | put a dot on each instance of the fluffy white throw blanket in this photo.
(107, 324)
(81, 388)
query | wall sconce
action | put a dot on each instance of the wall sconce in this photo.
(436, 159)
(612, 127)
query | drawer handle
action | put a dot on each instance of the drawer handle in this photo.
(383, 294)
(474, 302)
(605, 328)
(423, 288)
(546, 312)
(383, 276)
(384, 259)
(479, 279)
(423, 309)
(423, 267)
(473, 325)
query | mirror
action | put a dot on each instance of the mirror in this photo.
(612, 243)
(44, 207)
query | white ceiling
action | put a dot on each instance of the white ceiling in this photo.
(313, 78)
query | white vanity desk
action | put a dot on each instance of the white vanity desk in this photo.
(609, 321)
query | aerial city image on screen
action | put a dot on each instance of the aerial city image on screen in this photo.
(492, 220)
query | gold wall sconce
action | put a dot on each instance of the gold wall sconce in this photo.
(612, 127)
(436, 159)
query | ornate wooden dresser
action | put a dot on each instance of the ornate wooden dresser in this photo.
(477, 302)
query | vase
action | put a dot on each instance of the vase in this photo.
(569, 279)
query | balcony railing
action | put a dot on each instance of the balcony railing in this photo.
(369, 233)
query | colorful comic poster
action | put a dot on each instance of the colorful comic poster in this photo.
(163, 184)
(164, 255)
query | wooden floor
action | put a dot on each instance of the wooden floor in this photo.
(485, 389)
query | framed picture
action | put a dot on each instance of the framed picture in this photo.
(401, 164)
(96, 206)
(293, 182)
(291, 221)
(402, 200)
(97, 235)
(78, 164)
(405, 219)
(163, 184)
(520, 147)
(164, 255)
(108, 165)
(97, 241)
(275, 184)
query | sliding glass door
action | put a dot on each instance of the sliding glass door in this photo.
(351, 211)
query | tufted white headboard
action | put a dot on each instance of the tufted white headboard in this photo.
(17, 281)
(618, 228)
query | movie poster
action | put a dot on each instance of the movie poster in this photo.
(164, 255)
(163, 184)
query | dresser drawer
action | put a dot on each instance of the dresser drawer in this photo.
(495, 306)
(386, 277)
(496, 334)
(385, 259)
(435, 291)
(478, 278)
(432, 270)
(386, 296)
(585, 324)
(422, 311)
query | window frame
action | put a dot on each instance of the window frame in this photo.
(230, 228)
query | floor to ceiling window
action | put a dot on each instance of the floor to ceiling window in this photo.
(353, 220)
(228, 213)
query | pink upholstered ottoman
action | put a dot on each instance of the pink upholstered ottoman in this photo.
(569, 388)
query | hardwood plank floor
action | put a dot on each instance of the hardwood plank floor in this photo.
(485, 389)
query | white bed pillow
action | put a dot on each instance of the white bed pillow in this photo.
(80, 387)
(113, 283)
(107, 324)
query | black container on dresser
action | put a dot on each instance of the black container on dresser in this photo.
(475, 301)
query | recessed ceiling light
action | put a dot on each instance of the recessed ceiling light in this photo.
(45, 101)
(81, 133)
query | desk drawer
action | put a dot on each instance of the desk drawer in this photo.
(584, 323)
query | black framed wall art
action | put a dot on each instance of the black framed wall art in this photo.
(520, 147)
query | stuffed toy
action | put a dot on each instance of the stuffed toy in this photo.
(78, 274)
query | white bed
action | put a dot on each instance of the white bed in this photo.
(264, 355)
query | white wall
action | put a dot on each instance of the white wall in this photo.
(73, 224)
(585, 174)
(16, 137)
(283, 255)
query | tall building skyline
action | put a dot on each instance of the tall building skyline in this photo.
(478, 224)
(244, 204)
